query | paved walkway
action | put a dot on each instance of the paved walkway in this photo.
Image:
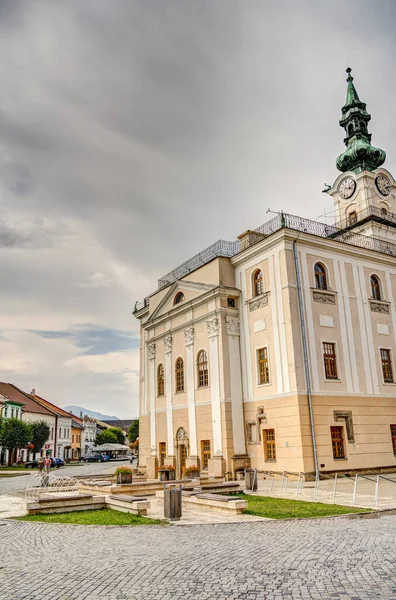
(298, 560)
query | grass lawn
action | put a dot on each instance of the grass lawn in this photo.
(10, 469)
(13, 474)
(104, 516)
(281, 508)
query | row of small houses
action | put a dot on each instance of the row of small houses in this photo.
(70, 436)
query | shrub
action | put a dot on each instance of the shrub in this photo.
(190, 470)
(123, 471)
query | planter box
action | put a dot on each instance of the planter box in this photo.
(167, 475)
(124, 478)
(192, 475)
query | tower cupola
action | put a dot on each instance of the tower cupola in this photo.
(360, 155)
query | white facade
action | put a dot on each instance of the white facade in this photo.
(63, 437)
(49, 446)
(88, 435)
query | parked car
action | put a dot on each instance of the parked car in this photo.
(33, 464)
(93, 458)
(59, 462)
(105, 457)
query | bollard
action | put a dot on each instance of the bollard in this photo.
(173, 502)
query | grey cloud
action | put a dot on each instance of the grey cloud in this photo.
(94, 340)
(158, 127)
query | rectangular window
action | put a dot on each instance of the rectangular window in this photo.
(386, 365)
(12, 413)
(231, 302)
(393, 436)
(337, 441)
(162, 453)
(60, 432)
(205, 453)
(72, 439)
(262, 366)
(52, 433)
(269, 445)
(5, 411)
(330, 361)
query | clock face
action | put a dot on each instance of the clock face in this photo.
(347, 187)
(383, 184)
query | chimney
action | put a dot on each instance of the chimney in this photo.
(33, 392)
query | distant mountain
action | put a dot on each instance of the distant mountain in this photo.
(76, 410)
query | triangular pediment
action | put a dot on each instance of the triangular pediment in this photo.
(190, 290)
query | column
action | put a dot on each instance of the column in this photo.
(189, 336)
(152, 461)
(168, 342)
(216, 462)
(233, 330)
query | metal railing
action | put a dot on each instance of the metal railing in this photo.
(284, 220)
(373, 213)
(371, 491)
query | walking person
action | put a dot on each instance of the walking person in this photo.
(40, 466)
(47, 464)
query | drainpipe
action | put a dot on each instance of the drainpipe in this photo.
(55, 434)
(306, 358)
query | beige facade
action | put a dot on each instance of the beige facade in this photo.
(277, 351)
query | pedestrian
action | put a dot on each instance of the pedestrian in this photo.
(132, 459)
(47, 464)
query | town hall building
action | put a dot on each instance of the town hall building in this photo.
(277, 351)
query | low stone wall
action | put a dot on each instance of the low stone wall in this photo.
(48, 504)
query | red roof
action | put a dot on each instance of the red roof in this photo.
(13, 393)
(52, 407)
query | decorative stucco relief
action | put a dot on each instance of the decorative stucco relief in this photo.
(324, 298)
(232, 325)
(213, 327)
(259, 303)
(151, 350)
(168, 341)
(189, 336)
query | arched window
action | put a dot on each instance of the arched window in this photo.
(178, 298)
(258, 283)
(202, 368)
(320, 277)
(384, 212)
(375, 288)
(160, 380)
(179, 370)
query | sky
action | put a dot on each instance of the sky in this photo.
(134, 133)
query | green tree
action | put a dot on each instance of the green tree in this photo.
(106, 437)
(40, 432)
(120, 435)
(133, 431)
(15, 434)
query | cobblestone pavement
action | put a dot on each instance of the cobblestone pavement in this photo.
(320, 559)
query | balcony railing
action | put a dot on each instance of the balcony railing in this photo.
(284, 220)
(371, 213)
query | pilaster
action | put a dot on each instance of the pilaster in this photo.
(151, 358)
(213, 326)
(189, 337)
(232, 326)
(168, 343)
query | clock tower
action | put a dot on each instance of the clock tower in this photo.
(365, 194)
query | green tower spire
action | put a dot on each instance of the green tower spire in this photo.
(360, 155)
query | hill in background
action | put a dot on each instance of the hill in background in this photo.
(76, 410)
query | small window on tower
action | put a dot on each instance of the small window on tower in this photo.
(231, 302)
(384, 212)
(352, 217)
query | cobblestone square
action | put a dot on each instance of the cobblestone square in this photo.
(301, 559)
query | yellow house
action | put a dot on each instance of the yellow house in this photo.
(77, 429)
